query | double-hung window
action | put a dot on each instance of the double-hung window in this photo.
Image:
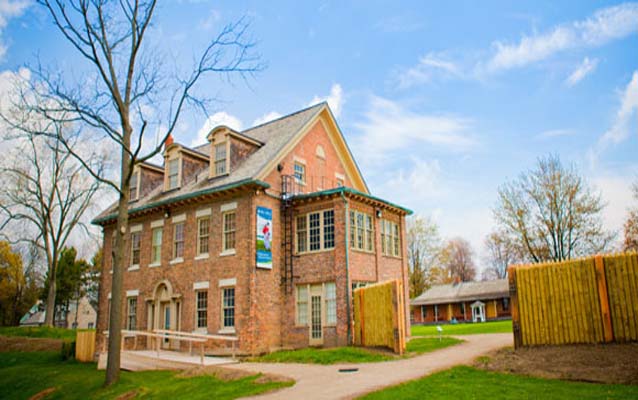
(300, 172)
(390, 240)
(178, 240)
(228, 307)
(135, 249)
(173, 174)
(330, 290)
(228, 236)
(302, 305)
(201, 308)
(156, 252)
(361, 231)
(315, 231)
(220, 159)
(203, 231)
(133, 186)
(131, 321)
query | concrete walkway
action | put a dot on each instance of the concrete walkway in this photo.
(326, 382)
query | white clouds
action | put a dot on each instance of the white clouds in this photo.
(603, 26)
(390, 127)
(211, 20)
(335, 99)
(267, 118)
(554, 133)
(616, 192)
(585, 68)
(620, 129)
(219, 118)
(428, 66)
(9, 9)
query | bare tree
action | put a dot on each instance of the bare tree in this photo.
(631, 226)
(424, 245)
(552, 213)
(458, 258)
(46, 193)
(112, 37)
(502, 252)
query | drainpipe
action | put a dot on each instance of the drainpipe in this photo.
(347, 234)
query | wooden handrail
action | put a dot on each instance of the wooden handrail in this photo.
(198, 335)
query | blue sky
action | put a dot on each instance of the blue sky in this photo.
(440, 102)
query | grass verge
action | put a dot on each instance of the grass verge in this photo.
(354, 355)
(464, 329)
(470, 383)
(23, 375)
(39, 332)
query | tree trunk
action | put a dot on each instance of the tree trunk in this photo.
(115, 317)
(49, 316)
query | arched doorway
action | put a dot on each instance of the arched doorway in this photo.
(164, 311)
(478, 311)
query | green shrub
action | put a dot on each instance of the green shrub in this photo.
(68, 350)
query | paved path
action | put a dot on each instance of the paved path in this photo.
(326, 382)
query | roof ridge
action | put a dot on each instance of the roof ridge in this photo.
(284, 116)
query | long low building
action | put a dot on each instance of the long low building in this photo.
(465, 301)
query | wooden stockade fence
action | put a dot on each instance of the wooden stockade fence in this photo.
(85, 346)
(379, 316)
(590, 300)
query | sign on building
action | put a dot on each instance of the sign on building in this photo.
(264, 237)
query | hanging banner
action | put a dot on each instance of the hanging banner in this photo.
(264, 238)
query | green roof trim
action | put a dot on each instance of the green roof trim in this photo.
(344, 189)
(186, 196)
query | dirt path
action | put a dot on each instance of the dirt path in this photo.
(326, 382)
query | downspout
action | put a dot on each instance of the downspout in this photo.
(347, 234)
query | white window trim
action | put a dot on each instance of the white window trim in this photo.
(227, 282)
(158, 223)
(365, 233)
(301, 182)
(135, 267)
(228, 207)
(136, 228)
(156, 263)
(202, 256)
(226, 142)
(201, 285)
(179, 172)
(137, 185)
(179, 218)
(324, 308)
(231, 251)
(205, 212)
(321, 232)
(177, 260)
(133, 293)
(340, 176)
(226, 329)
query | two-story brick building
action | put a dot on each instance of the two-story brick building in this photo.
(261, 234)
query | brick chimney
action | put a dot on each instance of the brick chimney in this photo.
(168, 141)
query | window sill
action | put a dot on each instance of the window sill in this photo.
(226, 331)
(203, 331)
(391, 256)
(201, 256)
(154, 265)
(363, 251)
(176, 261)
(303, 253)
(134, 268)
(230, 252)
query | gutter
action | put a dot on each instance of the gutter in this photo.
(186, 196)
(347, 234)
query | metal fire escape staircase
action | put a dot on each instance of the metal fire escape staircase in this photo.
(288, 191)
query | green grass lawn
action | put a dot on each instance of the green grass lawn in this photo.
(25, 374)
(471, 383)
(39, 332)
(426, 345)
(464, 329)
(353, 354)
(325, 356)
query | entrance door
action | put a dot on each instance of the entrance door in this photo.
(316, 315)
(165, 318)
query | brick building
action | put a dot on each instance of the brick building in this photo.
(464, 301)
(261, 234)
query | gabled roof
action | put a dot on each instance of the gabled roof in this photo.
(275, 136)
(464, 291)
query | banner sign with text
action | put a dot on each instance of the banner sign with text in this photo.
(264, 237)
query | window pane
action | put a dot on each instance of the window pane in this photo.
(300, 172)
(369, 234)
(228, 307)
(396, 239)
(132, 314)
(302, 305)
(301, 234)
(133, 187)
(353, 228)
(315, 231)
(178, 248)
(202, 307)
(157, 245)
(229, 231)
(135, 248)
(173, 171)
(331, 303)
(202, 242)
(328, 229)
(359, 231)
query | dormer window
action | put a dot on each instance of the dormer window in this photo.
(133, 186)
(173, 174)
(220, 159)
